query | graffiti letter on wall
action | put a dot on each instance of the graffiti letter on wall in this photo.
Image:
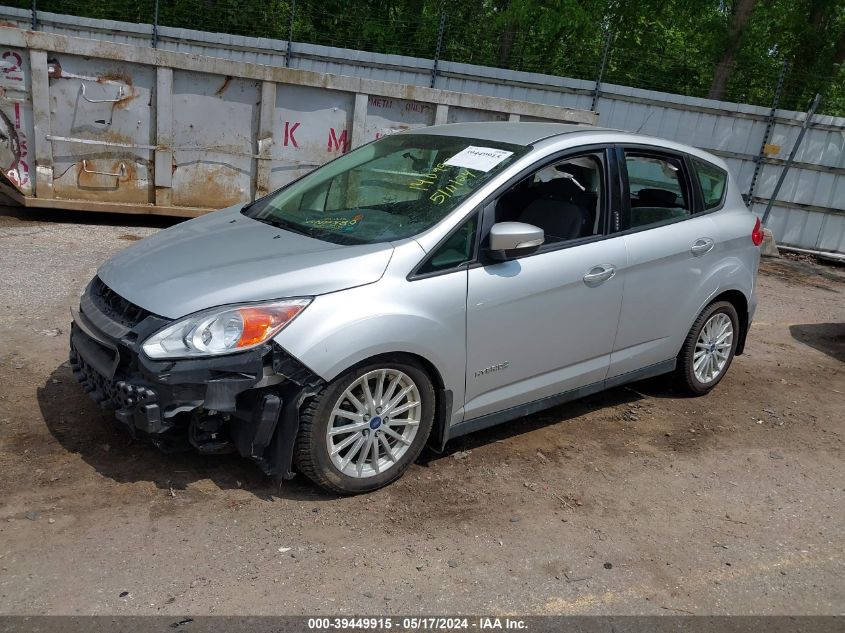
(289, 133)
(12, 65)
(338, 143)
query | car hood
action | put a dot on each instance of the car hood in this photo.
(225, 257)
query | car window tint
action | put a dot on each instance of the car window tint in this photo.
(564, 199)
(712, 181)
(657, 189)
(458, 249)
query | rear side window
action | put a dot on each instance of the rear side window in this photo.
(713, 181)
(657, 189)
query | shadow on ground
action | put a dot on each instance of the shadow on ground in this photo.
(81, 427)
(828, 338)
(40, 216)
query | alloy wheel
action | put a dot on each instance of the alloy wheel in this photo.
(713, 348)
(373, 423)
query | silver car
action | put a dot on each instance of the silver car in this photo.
(424, 286)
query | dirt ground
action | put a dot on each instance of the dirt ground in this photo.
(635, 501)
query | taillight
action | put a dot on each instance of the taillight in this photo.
(757, 233)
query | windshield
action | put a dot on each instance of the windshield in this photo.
(388, 190)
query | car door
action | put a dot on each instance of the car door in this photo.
(544, 324)
(671, 249)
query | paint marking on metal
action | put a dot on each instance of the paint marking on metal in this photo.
(105, 143)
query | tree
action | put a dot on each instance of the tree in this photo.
(739, 20)
(725, 49)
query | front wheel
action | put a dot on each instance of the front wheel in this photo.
(709, 349)
(364, 429)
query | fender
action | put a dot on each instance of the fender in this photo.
(342, 329)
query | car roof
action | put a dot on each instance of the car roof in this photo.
(516, 133)
(528, 133)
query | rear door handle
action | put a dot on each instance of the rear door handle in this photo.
(599, 274)
(701, 246)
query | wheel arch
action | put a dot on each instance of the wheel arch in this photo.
(740, 303)
(444, 397)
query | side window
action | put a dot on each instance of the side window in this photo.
(657, 188)
(713, 181)
(564, 198)
(458, 249)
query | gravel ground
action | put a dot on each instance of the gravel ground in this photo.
(635, 501)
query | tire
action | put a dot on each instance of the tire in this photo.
(699, 382)
(317, 461)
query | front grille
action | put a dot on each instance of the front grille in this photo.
(108, 393)
(115, 307)
(137, 405)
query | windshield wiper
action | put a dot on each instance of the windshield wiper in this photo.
(284, 225)
(314, 232)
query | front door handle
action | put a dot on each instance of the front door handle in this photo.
(701, 246)
(599, 274)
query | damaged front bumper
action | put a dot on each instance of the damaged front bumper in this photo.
(246, 402)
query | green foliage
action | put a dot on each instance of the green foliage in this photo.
(808, 33)
(667, 45)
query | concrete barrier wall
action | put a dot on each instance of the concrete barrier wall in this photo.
(91, 124)
(809, 211)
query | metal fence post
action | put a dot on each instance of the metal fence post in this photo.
(605, 50)
(155, 26)
(807, 120)
(767, 135)
(288, 52)
(438, 49)
(34, 12)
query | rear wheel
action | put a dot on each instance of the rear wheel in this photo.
(366, 427)
(709, 348)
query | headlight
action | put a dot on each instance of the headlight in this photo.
(223, 330)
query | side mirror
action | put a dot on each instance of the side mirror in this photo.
(510, 239)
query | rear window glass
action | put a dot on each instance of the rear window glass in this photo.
(713, 181)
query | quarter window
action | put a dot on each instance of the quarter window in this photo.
(712, 181)
(459, 248)
(657, 189)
